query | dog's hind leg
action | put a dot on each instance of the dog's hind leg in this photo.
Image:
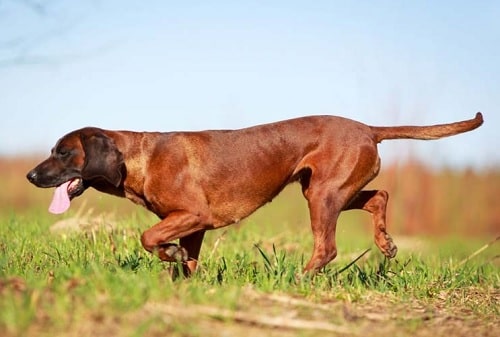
(375, 202)
(324, 209)
(329, 185)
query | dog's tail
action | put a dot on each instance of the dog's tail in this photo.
(426, 132)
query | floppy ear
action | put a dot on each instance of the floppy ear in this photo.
(102, 159)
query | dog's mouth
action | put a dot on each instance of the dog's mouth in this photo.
(76, 187)
(64, 193)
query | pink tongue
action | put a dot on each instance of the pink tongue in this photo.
(60, 202)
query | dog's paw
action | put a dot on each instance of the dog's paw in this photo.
(175, 253)
(391, 250)
(387, 246)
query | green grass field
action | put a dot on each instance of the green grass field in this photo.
(86, 274)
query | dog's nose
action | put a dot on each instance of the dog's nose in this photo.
(32, 175)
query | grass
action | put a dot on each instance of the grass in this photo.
(51, 284)
(98, 280)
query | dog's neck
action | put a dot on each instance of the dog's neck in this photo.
(133, 146)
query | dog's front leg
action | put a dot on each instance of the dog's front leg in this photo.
(188, 227)
(192, 243)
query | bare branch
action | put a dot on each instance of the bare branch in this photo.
(35, 6)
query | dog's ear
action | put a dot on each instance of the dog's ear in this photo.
(102, 159)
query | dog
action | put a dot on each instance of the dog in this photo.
(197, 181)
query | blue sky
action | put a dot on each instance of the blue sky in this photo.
(193, 65)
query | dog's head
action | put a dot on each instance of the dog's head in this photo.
(82, 158)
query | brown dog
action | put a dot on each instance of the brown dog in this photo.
(195, 181)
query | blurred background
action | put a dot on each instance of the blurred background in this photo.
(194, 65)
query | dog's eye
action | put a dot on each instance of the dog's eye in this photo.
(63, 153)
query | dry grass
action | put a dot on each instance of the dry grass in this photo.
(422, 200)
(431, 201)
